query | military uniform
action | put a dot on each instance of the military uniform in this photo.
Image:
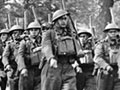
(2, 73)
(56, 77)
(61, 47)
(9, 58)
(86, 79)
(107, 54)
(2, 46)
(29, 57)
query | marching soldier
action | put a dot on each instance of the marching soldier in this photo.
(9, 57)
(29, 57)
(86, 80)
(4, 35)
(60, 50)
(107, 54)
(46, 26)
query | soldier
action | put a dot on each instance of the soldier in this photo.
(4, 35)
(106, 58)
(46, 26)
(9, 56)
(29, 57)
(86, 80)
(59, 48)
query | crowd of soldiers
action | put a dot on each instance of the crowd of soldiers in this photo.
(56, 57)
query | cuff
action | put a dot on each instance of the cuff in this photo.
(75, 64)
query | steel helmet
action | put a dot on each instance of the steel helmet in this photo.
(58, 14)
(47, 25)
(84, 31)
(4, 31)
(111, 26)
(34, 25)
(16, 28)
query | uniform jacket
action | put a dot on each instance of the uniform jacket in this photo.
(106, 54)
(10, 52)
(48, 40)
(88, 56)
(29, 51)
(1, 51)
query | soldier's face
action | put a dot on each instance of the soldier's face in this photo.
(83, 38)
(112, 33)
(4, 37)
(16, 34)
(63, 21)
(34, 32)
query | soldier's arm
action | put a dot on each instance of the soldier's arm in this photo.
(118, 60)
(47, 45)
(21, 52)
(98, 58)
(5, 55)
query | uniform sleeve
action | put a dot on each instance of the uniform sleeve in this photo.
(47, 45)
(5, 55)
(98, 58)
(21, 52)
(79, 50)
(118, 59)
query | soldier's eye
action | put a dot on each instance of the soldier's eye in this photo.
(15, 32)
(83, 36)
(112, 31)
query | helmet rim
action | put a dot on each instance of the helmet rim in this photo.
(58, 14)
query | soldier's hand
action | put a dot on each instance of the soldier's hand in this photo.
(2, 74)
(87, 51)
(24, 72)
(109, 68)
(8, 68)
(118, 73)
(78, 69)
(37, 49)
(53, 63)
(10, 73)
(80, 53)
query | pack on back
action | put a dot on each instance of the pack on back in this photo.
(36, 56)
(66, 46)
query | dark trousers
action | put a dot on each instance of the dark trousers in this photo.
(32, 82)
(3, 83)
(12, 80)
(60, 78)
(108, 82)
(86, 80)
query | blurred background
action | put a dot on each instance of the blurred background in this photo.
(85, 13)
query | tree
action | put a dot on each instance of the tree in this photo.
(81, 10)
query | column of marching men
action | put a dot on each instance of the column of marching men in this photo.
(56, 57)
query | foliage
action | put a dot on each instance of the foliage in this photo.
(81, 11)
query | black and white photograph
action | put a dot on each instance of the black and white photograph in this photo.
(59, 44)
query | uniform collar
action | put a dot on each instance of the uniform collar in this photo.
(36, 40)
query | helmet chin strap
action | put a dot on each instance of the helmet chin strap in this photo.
(33, 36)
(113, 37)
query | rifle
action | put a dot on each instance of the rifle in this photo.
(112, 15)
(92, 30)
(9, 20)
(17, 20)
(6, 26)
(35, 16)
(49, 18)
(72, 25)
(63, 5)
(25, 19)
